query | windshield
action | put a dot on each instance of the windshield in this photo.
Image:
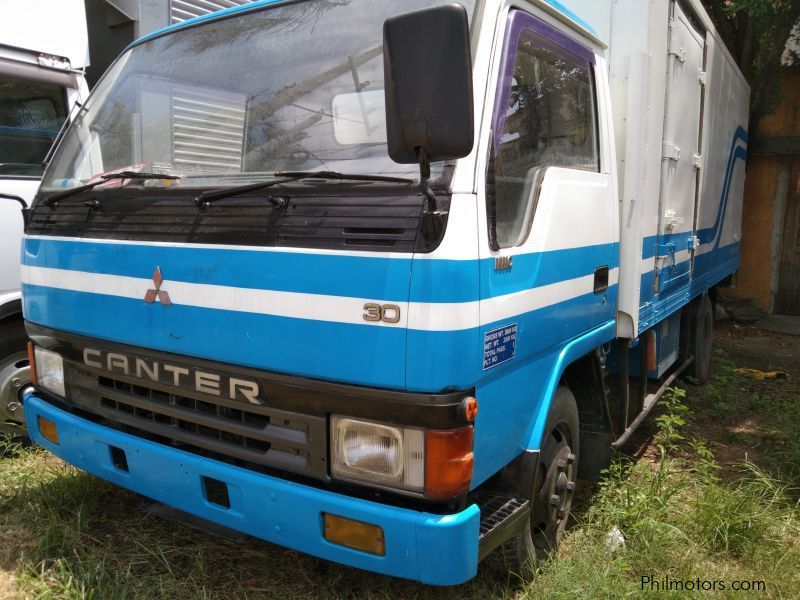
(296, 86)
(31, 113)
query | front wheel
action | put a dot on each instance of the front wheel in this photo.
(15, 375)
(553, 488)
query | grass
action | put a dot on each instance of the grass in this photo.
(684, 514)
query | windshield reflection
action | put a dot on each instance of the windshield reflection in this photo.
(291, 87)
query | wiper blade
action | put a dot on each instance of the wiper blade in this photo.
(342, 176)
(50, 200)
(205, 199)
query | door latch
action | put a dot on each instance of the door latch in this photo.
(601, 279)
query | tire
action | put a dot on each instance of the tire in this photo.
(553, 488)
(701, 338)
(14, 374)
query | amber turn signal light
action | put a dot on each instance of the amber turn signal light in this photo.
(32, 362)
(354, 534)
(448, 463)
(48, 430)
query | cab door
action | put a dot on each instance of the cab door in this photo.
(551, 228)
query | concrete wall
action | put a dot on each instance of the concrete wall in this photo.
(109, 34)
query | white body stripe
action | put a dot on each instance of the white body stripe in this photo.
(337, 309)
(425, 316)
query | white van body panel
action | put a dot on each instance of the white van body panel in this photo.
(29, 29)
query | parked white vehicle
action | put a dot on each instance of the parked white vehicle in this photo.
(43, 51)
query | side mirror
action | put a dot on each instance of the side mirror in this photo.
(428, 85)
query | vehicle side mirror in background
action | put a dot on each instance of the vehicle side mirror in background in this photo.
(26, 212)
(428, 85)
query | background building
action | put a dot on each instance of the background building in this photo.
(113, 24)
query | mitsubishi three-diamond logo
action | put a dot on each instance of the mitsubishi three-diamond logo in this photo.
(157, 294)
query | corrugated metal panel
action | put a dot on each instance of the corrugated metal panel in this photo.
(181, 10)
(207, 130)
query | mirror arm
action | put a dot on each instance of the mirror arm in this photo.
(432, 218)
(424, 180)
(26, 212)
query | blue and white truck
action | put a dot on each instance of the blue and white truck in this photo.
(375, 280)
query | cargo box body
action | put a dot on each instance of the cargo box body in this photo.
(680, 107)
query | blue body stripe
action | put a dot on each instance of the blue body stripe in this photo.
(737, 153)
(709, 234)
(364, 355)
(710, 269)
(568, 13)
(374, 278)
(651, 243)
(335, 275)
(707, 266)
(359, 354)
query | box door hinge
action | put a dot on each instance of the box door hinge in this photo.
(670, 151)
(679, 53)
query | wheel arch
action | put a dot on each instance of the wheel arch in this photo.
(571, 361)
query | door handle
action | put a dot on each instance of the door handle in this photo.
(601, 279)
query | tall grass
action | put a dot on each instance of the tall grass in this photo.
(65, 534)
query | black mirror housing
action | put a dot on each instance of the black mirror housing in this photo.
(428, 79)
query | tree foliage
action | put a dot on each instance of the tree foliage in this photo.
(763, 36)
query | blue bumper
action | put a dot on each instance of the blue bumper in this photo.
(433, 549)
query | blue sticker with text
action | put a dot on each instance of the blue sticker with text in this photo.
(499, 346)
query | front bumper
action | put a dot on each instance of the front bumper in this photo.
(433, 549)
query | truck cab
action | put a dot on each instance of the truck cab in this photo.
(43, 53)
(346, 277)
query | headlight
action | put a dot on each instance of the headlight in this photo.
(370, 452)
(49, 371)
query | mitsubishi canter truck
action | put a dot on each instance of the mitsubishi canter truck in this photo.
(376, 280)
(43, 50)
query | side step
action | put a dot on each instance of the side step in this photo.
(502, 517)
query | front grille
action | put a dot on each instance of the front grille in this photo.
(228, 429)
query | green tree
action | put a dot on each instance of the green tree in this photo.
(763, 36)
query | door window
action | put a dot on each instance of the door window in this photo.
(545, 117)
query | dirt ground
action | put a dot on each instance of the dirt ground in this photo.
(736, 413)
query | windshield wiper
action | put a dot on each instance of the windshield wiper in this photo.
(50, 200)
(342, 176)
(205, 199)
